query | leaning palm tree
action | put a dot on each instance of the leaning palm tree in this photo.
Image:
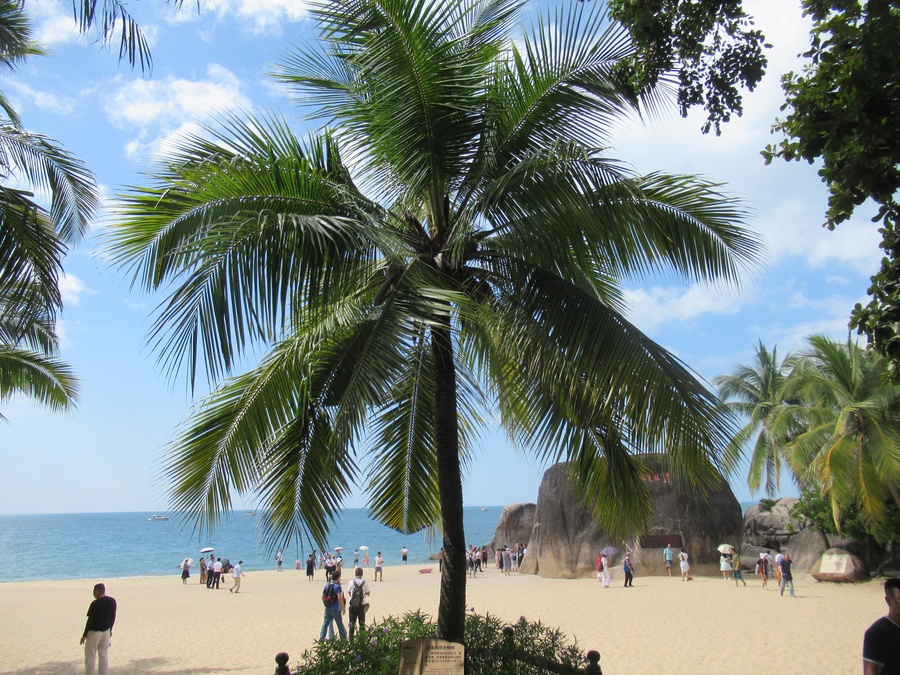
(34, 234)
(757, 390)
(470, 262)
(848, 417)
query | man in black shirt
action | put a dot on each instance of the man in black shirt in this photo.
(101, 616)
(881, 645)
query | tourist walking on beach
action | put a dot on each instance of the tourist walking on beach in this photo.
(358, 590)
(310, 566)
(366, 557)
(237, 573)
(404, 553)
(379, 561)
(761, 570)
(279, 558)
(356, 558)
(787, 577)
(629, 571)
(101, 617)
(725, 566)
(736, 572)
(335, 606)
(507, 561)
(685, 565)
(669, 554)
(185, 570)
(604, 570)
(202, 570)
(778, 558)
(217, 573)
(881, 644)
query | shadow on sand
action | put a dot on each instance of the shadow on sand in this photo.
(156, 666)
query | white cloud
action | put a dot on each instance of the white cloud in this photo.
(72, 288)
(655, 307)
(41, 99)
(157, 110)
(259, 17)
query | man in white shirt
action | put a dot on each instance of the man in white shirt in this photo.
(379, 572)
(217, 573)
(357, 600)
(237, 573)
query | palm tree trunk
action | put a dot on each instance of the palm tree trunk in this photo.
(452, 608)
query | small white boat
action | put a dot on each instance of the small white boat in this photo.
(250, 513)
(484, 508)
(155, 517)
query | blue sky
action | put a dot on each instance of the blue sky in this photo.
(107, 456)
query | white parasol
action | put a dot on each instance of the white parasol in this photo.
(208, 549)
(363, 548)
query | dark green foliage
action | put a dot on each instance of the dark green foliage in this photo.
(852, 525)
(713, 46)
(766, 504)
(492, 647)
(845, 111)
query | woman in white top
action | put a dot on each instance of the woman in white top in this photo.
(685, 566)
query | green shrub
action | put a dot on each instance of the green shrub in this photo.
(766, 504)
(492, 648)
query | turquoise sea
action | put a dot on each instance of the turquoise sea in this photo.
(107, 545)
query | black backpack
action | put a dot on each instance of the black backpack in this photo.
(356, 595)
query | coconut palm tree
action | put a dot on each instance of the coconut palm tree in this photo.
(848, 416)
(757, 389)
(34, 238)
(468, 262)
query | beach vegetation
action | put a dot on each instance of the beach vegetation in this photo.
(767, 504)
(493, 647)
(835, 419)
(450, 250)
(753, 391)
(47, 200)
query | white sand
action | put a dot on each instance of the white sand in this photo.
(662, 625)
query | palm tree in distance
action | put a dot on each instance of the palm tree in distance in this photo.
(34, 238)
(478, 270)
(757, 389)
(844, 427)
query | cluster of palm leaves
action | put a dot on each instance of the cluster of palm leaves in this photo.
(467, 265)
(35, 230)
(829, 415)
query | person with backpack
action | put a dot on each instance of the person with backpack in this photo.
(335, 606)
(359, 591)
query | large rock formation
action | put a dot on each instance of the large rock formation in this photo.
(839, 565)
(776, 530)
(515, 525)
(565, 540)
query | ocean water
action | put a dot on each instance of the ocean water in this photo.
(108, 545)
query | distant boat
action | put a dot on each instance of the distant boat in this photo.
(158, 517)
(250, 513)
(484, 508)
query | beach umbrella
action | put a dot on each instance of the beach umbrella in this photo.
(725, 548)
(208, 549)
(363, 548)
(609, 550)
(338, 548)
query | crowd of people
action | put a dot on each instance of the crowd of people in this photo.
(780, 567)
(881, 643)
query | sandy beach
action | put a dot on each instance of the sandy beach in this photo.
(660, 625)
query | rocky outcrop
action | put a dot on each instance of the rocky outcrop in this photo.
(565, 539)
(839, 565)
(515, 525)
(776, 530)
